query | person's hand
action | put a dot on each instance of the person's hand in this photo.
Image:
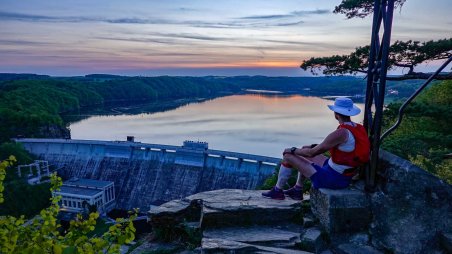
(309, 146)
(287, 150)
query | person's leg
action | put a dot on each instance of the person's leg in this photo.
(285, 170)
(304, 170)
(296, 192)
(283, 176)
(319, 159)
(300, 180)
(303, 165)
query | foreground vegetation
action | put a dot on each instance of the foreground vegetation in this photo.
(20, 197)
(43, 233)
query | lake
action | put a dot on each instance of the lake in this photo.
(251, 123)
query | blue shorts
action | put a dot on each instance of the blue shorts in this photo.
(326, 177)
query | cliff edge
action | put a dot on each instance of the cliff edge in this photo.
(409, 213)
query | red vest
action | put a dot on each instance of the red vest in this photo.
(360, 155)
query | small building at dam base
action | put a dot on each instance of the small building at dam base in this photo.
(77, 194)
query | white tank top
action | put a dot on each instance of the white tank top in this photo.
(347, 146)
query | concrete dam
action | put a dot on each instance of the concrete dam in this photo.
(151, 174)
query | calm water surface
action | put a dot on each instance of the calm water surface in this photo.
(255, 124)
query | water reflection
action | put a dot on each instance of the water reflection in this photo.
(256, 124)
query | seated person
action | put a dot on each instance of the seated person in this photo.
(349, 148)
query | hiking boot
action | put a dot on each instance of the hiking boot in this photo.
(274, 193)
(294, 193)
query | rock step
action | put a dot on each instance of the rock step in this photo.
(345, 210)
(258, 235)
(218, 245)
(226, 207)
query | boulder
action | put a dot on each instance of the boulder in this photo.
(446, 242)
(345, 210)
(308, 222)
(411, 209)
(312, 240)
(360, 238)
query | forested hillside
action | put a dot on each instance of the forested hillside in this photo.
(425, 135)
(32, 107)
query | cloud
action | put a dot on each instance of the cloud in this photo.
(42, 18)
(268, 17)
(289, 15)
(76, 19)
(138, 21)
(272, 20)
(144, 40)
(191, 36)
(186, 9)
(289, 23)
(24, 43)
(244, 22)
(240, 24)
(166, 38)
(24, 17)
(311, 12)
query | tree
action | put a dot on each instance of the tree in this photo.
(43, 234)
(402, 54)
(360, 8)
(407, 54)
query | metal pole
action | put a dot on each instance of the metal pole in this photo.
(370, 70)
(376, 83)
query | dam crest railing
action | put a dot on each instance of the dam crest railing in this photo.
(190, 153)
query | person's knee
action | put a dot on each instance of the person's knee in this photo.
(288, 160)
(286, 156)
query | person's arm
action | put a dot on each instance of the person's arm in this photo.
(335, 138)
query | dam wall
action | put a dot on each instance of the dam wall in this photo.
(151, 174)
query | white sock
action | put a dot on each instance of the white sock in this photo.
(283, 176)
(300, 179)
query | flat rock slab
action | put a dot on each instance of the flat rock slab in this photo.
(346, 210)
(244, 207)
(216, 245)
(259, 235)
(229, 207)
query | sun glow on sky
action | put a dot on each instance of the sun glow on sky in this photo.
(197, 37)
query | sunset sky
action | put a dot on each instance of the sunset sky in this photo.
(200, 37)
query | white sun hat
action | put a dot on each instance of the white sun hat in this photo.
(344, 106)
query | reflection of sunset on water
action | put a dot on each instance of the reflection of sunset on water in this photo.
(253, 123)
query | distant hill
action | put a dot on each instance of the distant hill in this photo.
(23, 76)
(317, 86)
